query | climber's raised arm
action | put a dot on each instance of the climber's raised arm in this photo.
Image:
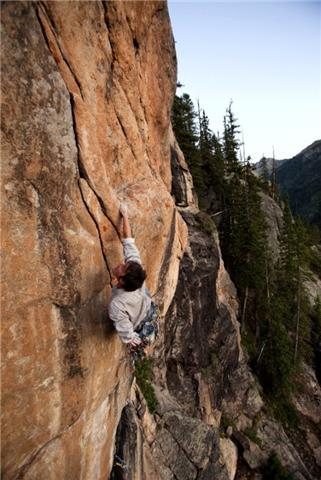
(131, 253)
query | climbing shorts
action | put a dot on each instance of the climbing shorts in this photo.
(149, 327)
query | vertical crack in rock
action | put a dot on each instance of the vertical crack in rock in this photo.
(109, 81)
(50, 37)
(134, 114)
(153, 172)
(124, 133)
(98, 230)
(48, 30)
(83, 174)
(81, 166)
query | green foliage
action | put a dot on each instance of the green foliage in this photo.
(291, 273)
(217, 167)
(276, 367)
(244, 244)
(274, 470)
(286, 329)
(315, 261)
(284, 411)
(316, 336)
(227, 422)
(202, 149)
(316, 315)
(265, 176)
(143, 374)
(252, 435)
(205, 223)
(231, 143)
(249, 343)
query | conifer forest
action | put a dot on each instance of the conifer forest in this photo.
(279, 328)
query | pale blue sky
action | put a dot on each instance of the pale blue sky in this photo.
(265, 56)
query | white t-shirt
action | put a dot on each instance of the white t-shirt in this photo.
(128, 309)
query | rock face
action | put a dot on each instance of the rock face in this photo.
(201, 340)
(274, 222)
(86, 100)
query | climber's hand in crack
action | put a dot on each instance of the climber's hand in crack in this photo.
(134, 342)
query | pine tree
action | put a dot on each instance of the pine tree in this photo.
(231, 143)
(273, 178)
(287, 332)
(287, 266)
(291, 276)
(245, 244)
(218, 164)
(302, 323)
(276, 368)
(233, 192)
(265, 176)
(254, 251)
(316, 337)
(206, 148)
(185, 129)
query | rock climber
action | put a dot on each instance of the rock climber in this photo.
(131, 308)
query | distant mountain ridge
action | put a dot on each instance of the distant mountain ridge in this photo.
(258, 167)
(299, 178)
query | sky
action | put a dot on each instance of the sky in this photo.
(265, 57)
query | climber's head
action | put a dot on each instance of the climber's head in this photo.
(119, 271)
(130, 276)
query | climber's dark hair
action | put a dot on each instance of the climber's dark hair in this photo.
(134, 277)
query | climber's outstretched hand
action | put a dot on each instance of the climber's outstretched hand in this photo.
(123, 210)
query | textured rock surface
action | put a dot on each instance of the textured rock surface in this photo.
(202, 341)
(274, 221)
(229, 456)
(177, 446)
(182, 182)
(86, 117)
